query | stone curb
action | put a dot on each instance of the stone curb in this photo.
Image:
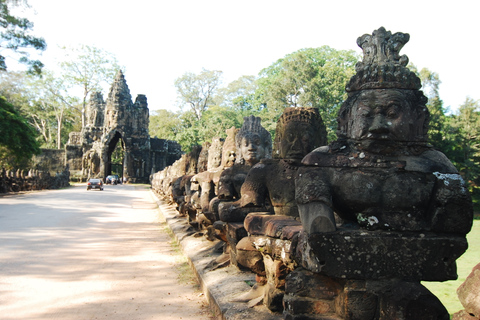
(219, 284)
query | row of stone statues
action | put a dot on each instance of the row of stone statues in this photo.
(23, 180)
(346, 230)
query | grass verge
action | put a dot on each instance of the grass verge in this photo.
(447, 291)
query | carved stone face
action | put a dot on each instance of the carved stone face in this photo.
(384, 115)
(252, 149)
(296, 140)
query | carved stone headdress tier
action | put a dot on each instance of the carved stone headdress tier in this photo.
(308, 115)
(300, 114)
(383, 67)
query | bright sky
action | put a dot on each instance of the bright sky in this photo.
(158, 41)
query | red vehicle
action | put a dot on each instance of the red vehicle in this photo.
(95, 184)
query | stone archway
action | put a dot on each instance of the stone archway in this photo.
(111, 148)
(118, 120)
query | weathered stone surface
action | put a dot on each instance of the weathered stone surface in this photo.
(360, 254)
(463, 315)
(21, 180)
(469, 293)
(356, 302)
(273, 298)
(253, 143)
(265, 223)
(390, 299)
(303, 305)
(310, 295)
(248, 257)
(305, 283)
(234, 232)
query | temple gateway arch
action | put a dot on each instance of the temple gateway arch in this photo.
(115, 139)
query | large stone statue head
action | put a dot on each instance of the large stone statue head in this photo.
(253, 142)
(229, 153)
(299, 131)
(215, 153)
(384, 105)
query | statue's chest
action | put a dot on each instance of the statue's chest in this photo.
(390, 191)
(281, 184)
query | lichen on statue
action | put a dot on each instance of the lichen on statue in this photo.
(269, 185)
(381, 173)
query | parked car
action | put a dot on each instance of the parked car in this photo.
(112, 179)
(95, 184)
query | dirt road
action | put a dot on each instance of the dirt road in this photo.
(77, 254)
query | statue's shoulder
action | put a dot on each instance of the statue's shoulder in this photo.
(317, 156)
(430, 160)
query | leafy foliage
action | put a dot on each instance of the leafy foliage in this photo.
(89, 68)
(311, 77)
(15, 37)
(17, 137)
(465, 133)
(46, 104)
(164, 124)
(197, 90)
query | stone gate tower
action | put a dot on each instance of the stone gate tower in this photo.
(115, 120)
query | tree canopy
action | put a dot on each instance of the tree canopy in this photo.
(17, 137)
(311, 77)
(16, 38)
(197, 90)
(89, 68)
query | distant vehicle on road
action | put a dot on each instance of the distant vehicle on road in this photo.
(95, 184)
(112, 179)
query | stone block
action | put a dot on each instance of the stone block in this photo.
(256, 222)
(235, 232)
(469, 293)
(304, 283)
(301, 305)
(273, 298)
(284, 229)
(463, 315)
(249, 257)
(288, 316)
(360, 254)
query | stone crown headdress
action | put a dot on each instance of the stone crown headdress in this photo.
(251, 125)
(308, 115)
(382, 66)
(300, 114)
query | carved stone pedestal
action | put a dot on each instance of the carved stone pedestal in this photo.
(310, 295)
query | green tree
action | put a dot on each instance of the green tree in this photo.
(215, 121)
(17, 137)
(16, 87)
(164, 124)
(311, 77)
(45, 102)
(188, 134)
(466, 126)
(438, 124)
(88, 67)
(52, 96)
(239, 95)
(197, 90)
(15, 38)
